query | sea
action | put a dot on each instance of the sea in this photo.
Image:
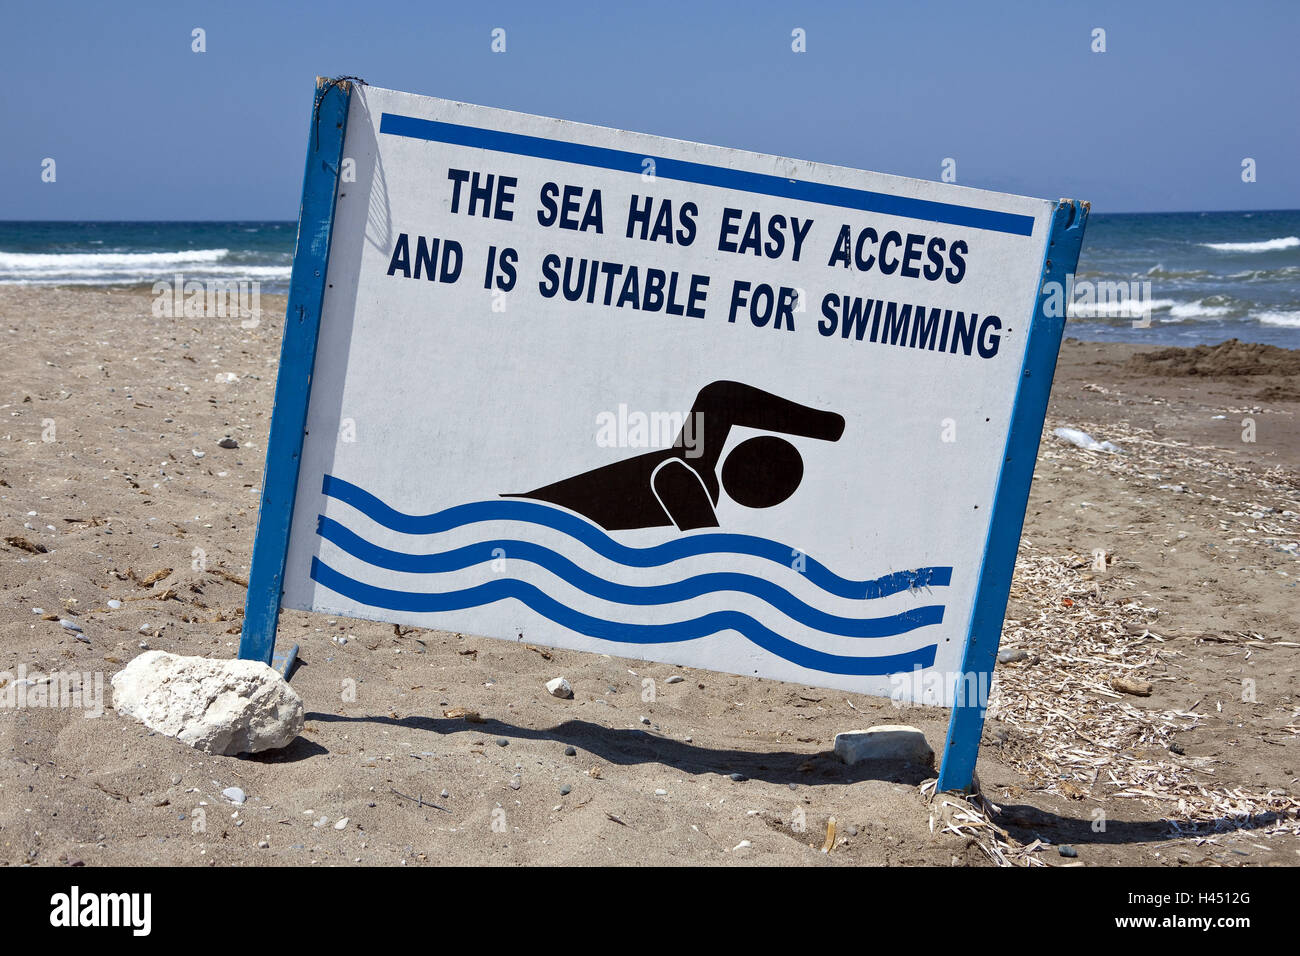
(1185, 278)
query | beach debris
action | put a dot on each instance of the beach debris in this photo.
(1132, 685)
(884, 742)
(1085, 441)
(560, 687)
(830, 836)
(470, 715)
(218, 706)
(22, 544)
(228, 442)
(234, 795)
(152, 579)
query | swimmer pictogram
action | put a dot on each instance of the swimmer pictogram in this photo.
(682, 485)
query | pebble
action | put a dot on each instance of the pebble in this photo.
(675, 679)
(743, 844)
(661, 793)
(445, 794)
(502, 742)
(565, 790)
(263, 845)
(70, 625)
(1012, 654)
(196, 453)
(176, 779)
(570, 752)
(645, 720)
(234, 795)
(560, 687)
(1066, 850)
(515, 782)
(738, 777)
(342, 824)
(228, 442)
(115, 604)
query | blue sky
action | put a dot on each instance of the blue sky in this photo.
(141, 127)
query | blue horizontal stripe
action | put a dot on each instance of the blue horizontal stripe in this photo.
(548, 607)
(601, 543)
(598, 587)
(723, 177)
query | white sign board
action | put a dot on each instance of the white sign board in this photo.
(612, 392)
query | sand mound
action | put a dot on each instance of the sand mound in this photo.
(1228, 358)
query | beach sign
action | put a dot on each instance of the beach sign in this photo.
(611, 392)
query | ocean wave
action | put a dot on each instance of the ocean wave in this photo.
(1198, 310)
(1121, 308)
(574, 529)
(1266, 245)
(71, 261)
(1289, 320)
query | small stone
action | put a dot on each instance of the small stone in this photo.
(68, 624)
(342, 824)
(661, 793)
(502, 742)
(645, 720)
(1065, 850)
(176, 779)
(851, 830)
(570, 752)
(737, 777)
(115, 604)
(565, 790)
(884, 742)
(675, 679)
(1012, 654)
(743, 844)
(196, 453)
(445, 794)
(515, 782)
(263, 845)
(560, 687)
(228, 442)
(234, 795)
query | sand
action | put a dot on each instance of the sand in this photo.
(104, 405)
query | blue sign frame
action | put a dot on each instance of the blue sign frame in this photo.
(298, 356)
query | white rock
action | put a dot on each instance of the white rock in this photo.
(675, 679)
(885, 742)
(234, 795)
(115, 604)
(560, 687)
(217, 706)
(342, 824)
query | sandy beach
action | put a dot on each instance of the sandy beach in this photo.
(103, 498)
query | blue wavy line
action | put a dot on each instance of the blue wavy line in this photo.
(601, 543)
(598, 587)
(548, 607)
